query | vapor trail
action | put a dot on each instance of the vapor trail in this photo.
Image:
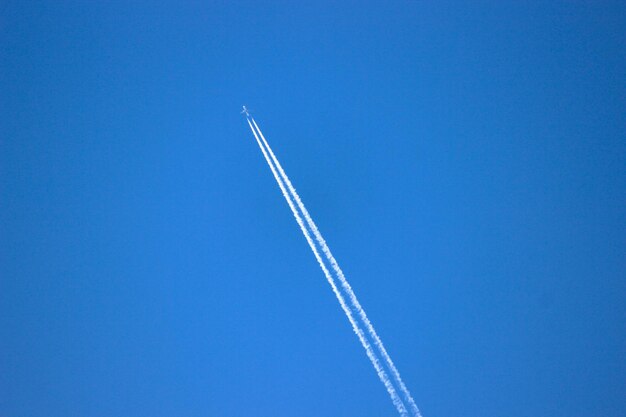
(382, 375)
(344, 282)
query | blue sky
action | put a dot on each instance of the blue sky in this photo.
(465, 162)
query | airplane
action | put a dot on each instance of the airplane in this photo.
(245, 111)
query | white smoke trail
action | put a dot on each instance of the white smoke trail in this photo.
(344, 282)
(368, 349)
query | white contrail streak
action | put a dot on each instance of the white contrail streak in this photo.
(368, 349)
(344, 282)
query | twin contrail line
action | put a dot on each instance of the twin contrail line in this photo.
(344, 282)
(368, 349)
(282, 179)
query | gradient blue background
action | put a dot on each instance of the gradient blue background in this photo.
(465, 161)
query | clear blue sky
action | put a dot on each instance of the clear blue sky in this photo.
(466, 163)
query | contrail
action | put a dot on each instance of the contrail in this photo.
(368, 349)
(344, 282)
